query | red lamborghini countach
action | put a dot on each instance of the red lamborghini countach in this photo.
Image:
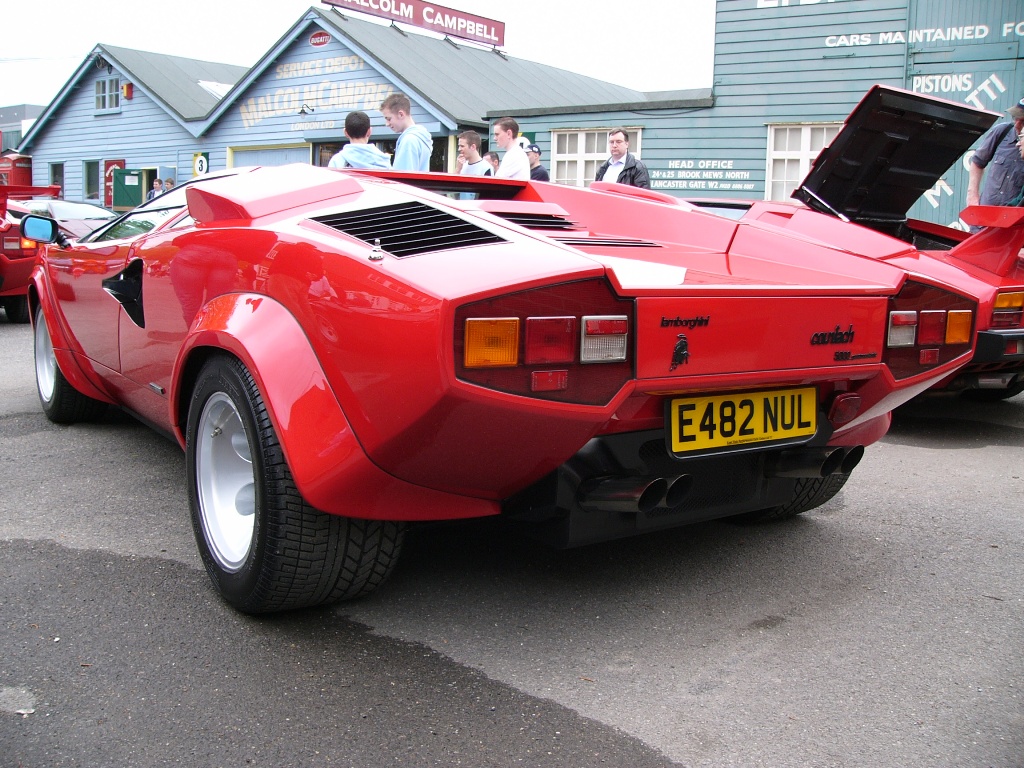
(342, 354)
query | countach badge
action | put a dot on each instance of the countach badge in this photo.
(681, 354)
(837, 336)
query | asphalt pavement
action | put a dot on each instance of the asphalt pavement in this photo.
(883, 629)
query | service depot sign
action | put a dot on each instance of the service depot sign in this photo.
(446, 21)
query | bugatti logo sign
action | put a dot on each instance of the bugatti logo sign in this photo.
(436, 18)
(318, 39)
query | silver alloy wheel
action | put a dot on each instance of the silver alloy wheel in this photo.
(225, 482)
(46, 363)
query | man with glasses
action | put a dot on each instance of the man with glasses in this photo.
(622, 167)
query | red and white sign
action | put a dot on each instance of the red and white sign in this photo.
(436, 18)
(108, 181)
(319, 39)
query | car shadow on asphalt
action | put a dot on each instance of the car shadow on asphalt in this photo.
(949, 421)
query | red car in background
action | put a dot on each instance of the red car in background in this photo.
(342, 354)
(893, 148)
(17, 253)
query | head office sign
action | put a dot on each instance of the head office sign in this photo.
(436, 18)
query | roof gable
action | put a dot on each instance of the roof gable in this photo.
(184, 88)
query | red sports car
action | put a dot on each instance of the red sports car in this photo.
(342, 354)
(894, 147)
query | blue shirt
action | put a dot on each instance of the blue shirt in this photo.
(412, 152)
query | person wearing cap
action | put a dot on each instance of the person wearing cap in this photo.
(537, 171)
(996, 168)
(622, 167)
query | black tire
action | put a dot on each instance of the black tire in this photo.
(994, 395)
(810, 492)
(61, 402)
(16, 308)
(263, 546)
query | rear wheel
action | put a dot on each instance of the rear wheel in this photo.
(16, 308)
(263, 546)
(810, 492)
(62, 403)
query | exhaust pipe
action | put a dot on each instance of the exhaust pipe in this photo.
(678, 489)
(622, 494)
(807, 462)
(852, 459)
(814, 462)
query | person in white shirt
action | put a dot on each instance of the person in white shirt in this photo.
(470, 163)
(514, 165)
(622, 167)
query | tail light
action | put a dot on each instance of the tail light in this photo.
(928, 326)
(19, 247)
(569, 342)
(1008, 311)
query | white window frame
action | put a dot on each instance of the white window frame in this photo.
(804, 155)
(108, 95)
(586, 163)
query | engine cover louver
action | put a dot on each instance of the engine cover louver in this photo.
(406, 229)
(539, 221)
(607, 242)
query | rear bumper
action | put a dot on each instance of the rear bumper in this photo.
(992, 366)
(626, 484)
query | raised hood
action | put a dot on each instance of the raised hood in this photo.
(895, 145)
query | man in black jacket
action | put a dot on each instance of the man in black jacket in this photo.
(622, 167)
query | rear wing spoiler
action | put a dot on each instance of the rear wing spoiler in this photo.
(997, 247)
(20, 192)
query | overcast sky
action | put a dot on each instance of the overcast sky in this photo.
(664, 46)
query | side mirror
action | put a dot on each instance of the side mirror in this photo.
(39, 228)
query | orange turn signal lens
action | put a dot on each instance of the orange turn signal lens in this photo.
(491, 342)
(958, 326)
(1009, 300)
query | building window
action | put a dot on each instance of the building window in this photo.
(791, 151)
(57, 175)
(576, 155)
(108, 95)
(91, 179)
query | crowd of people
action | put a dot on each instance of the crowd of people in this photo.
(414, 146)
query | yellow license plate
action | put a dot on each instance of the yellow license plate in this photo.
(741, 418)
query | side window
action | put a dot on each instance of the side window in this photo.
(91, 179)
(108, 95)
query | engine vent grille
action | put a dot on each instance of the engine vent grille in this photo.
(606, 242)
(406, 229)
(538, 220)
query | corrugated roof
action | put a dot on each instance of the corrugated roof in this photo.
(468, 82)
(175, 80)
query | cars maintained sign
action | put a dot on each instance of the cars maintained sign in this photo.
(720, 421)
